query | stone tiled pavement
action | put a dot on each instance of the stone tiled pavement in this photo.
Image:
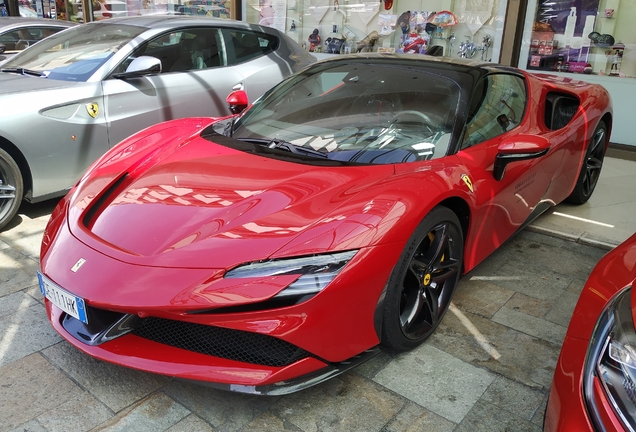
(488, 367)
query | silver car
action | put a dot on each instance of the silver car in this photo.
(71, 97)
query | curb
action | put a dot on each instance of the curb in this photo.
(581, 239)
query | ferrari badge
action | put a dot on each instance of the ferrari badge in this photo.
(80, 262)
(468, 182)
(92, 109)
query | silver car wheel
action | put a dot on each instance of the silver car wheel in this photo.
(10, 188)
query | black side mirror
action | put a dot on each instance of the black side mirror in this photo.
(3, 48)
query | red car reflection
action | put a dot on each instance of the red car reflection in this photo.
(594, 385)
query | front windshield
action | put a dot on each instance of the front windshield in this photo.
(74, 54)
(353, 112)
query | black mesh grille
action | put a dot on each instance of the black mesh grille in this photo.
(230, 344)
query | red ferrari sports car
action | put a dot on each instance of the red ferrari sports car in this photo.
(269, 251)
(594, 386)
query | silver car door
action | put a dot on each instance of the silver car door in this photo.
(194, 82)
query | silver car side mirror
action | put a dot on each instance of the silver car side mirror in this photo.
(141, 66)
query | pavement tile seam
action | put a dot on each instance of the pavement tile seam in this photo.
(444, 399)
(506, 410)
(139, 404)
(510, 318)
(539, 414)
(188, 401)
(83, 409)
(256, 424)
(70, 377)
(503, 390)
(406, 406)
(396, 415)
(34, 292)
(288, 424)
(498, 421)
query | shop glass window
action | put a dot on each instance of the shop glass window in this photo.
(452, 28)
(73, 10)
(594, 37)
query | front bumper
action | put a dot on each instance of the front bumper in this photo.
(214, 371)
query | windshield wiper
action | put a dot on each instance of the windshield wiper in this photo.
(293, 148)
(23, 71)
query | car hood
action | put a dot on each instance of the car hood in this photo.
(15, 83)
(197, 204)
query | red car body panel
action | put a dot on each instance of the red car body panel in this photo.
(566, 410)
(166, 209)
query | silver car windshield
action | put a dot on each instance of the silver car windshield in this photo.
(357, 113)
(73, 55)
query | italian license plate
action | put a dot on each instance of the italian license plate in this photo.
(69, 303)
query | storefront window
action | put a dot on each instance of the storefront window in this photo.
(594, 37)
(455, 28)
(73, 10)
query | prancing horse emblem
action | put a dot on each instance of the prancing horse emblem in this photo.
(92, 109)
(468, 182)
(80, 262)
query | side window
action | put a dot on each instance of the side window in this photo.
(244, 45)
(9, 40)
(497, 106)
(40, 33)
(18, 40)
(183, 50)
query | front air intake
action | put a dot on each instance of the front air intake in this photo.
(220, 342)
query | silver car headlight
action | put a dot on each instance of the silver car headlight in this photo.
(314, 272)
(611, 358)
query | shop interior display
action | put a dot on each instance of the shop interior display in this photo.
(590, 39)
(456, 28)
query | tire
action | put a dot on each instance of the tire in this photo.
(423, 281)
(11, 188)
(591, 168)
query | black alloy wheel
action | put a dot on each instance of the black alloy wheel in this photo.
(591, 168)
(10, 188)
(423, 282)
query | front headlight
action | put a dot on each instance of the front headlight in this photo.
(314, 272)
(612, 359)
